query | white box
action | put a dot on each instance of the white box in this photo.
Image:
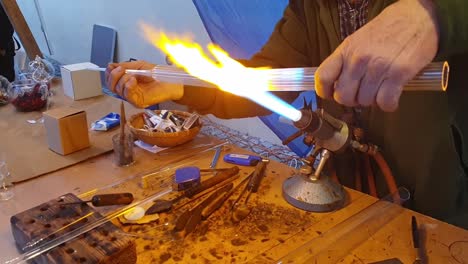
(79, 83)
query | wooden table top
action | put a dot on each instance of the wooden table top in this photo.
(18, 135)
(270, 232)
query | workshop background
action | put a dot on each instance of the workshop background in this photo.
(69, 27)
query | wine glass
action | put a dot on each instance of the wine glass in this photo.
(6, 186)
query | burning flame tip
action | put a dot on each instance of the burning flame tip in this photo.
(219, 68)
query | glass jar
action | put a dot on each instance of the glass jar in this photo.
(6, 185)
(27, 95)
(4, 87)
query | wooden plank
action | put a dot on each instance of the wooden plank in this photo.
(21, 28)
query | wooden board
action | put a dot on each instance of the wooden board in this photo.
(25, 145)
(273, 230)
(101, 245)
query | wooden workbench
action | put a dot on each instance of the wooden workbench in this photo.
(272, 230)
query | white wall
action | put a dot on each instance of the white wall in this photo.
(69, 27)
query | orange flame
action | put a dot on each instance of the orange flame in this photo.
(228, 74)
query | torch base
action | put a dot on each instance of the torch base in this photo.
(322, 195)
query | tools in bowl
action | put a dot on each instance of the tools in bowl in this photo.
(165, 128)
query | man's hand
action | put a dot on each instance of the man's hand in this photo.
(141, 91)
(372, 65)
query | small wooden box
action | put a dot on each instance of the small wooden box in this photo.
(104, 244)
(67, 130)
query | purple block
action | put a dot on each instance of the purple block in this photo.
(186, 177)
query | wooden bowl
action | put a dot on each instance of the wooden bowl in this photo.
(162, 139)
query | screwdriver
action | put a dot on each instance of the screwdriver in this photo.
(107, 199)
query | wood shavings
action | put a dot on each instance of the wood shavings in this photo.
(268, 224)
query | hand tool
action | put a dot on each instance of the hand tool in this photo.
(208, 191)
(388, 261)
(416, 241)
(188, 177)
(216, 157)
(224, 174)
(189, 219)
(159, 206)
(242, 159)
(214, 170)
(240, 212)
(219, 177)
(218, 202)
(107, 199)
(183, 220)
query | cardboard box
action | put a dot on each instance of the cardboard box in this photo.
(66, 129)
(79, 83)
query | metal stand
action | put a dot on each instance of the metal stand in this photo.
(313, 191)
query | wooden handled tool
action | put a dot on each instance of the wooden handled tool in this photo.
(108, 199)
(219, 177)
(257, 176)
(239, 212)
(218, 202)
(195, 192)
(189, 219)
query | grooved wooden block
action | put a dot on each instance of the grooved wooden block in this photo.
(104, 244)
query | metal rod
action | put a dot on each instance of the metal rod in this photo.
(324, 156)
(215, 158)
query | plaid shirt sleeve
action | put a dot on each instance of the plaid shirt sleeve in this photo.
(352, 16)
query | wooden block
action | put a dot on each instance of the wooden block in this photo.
(104, 244)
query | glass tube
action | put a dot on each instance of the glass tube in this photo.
(434, 77)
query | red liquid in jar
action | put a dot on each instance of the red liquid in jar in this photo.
(31, 100)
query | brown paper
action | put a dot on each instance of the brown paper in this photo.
(25, 145)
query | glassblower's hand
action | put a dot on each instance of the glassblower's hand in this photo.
(372, 65)
(141, 91)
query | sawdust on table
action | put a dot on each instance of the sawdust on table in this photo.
(218, 239)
